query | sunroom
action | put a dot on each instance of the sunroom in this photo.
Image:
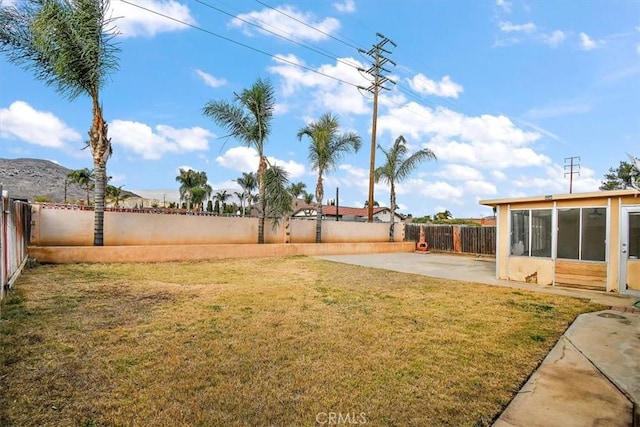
(583, 240)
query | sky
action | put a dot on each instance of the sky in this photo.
(503, 92)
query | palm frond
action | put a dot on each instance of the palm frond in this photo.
(278, 198)
(66, 44)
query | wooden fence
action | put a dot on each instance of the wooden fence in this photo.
(455, 238)
(15, 224)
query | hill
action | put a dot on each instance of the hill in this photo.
(31, 178)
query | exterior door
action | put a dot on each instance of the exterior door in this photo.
(630, 250)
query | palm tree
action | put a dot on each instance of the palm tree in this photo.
(83, 178)
(221, 197)
(297, 189)
(277, 195)
(115, 195)
(240, 195)
(397, 167)
(249, 184)
(308, 198)
(443, 216)
(325, 149)
(248, 119)
(194, 188)
(68, 44)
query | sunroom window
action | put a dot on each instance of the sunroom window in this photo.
(582, 233)
(531, 232)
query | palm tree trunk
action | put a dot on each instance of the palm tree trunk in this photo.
(98, 226)
(319, 197)
(100, 150)
(263, 200)
(319, 223)
(393, 213)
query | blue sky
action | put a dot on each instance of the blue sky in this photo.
(502, 92)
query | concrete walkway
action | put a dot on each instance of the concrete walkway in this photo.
(592, 375)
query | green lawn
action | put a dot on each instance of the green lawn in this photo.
(260, 342)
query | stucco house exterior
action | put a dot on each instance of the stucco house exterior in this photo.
(583, 240)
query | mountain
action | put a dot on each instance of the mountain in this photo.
(31, 178)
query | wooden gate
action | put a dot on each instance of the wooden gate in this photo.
(15, 226)
(455, 238)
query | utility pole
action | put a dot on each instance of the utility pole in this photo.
(572, 164)
(377, 54)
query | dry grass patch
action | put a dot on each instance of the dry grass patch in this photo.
(252, 342)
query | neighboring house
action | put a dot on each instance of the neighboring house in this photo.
(345, 213)
(582, 240)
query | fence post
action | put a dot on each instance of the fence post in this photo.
(457, 245)
(3, 245)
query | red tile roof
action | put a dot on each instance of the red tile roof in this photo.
(330, 210)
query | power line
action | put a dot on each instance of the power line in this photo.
(305, 24)
(278, 58)
(263, 28)
(420, 99)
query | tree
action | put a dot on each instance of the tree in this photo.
(277, 195)
(194, 188)
(249, 184)
(83, 178)
(68, 44)
(297, 189)
(442, 216)
(240, 195)
(398, 165)
(422, 219)
(618, 178)
(115, 195)
(248, 119)
(221, 198)
(325, 150)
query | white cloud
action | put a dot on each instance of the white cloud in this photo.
(242, 159)
(439, 190)
(210, 80)
(22, 121)
(486, 141)
(445, 88)
(280, 22)
(638, 48)
(508, 27)
(348, 6)
(459, 172)
(552, 180)
(480, 188)
(505, 5)
(325, 93)
(586, 43)
(133, 21)
(245, 159)
(554, 39)
(295, 169)
(153, 144)
(499, 175)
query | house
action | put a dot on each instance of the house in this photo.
(345, 213)
(583, 240)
